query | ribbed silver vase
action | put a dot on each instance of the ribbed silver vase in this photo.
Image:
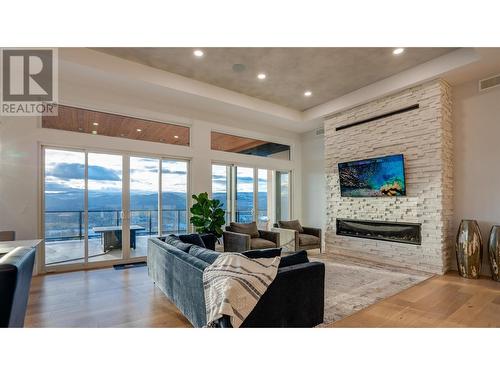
(494, 252)
(469, 249)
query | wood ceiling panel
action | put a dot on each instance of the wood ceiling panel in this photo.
(83, 121)
(233, 143)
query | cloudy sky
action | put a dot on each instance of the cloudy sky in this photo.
(244, 177)
(65, 170)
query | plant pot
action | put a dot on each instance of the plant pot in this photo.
(494, 252)
(469, 249)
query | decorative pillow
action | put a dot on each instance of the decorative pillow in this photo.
(245, 228)
(206, 255)
(297, 258)
(209, 240)
(292, 224)
(267, 253)
(176, 242)
(193, 238)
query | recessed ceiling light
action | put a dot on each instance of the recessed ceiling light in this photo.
(198, 53)
(308, 93)
(95, 123)
(139, 130)
(94, 132)
(261, 76)
(398, 51)
(176, 136)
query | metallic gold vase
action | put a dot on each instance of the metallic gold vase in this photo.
(494, 252)
(469, 249)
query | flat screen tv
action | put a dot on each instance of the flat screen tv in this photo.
(377, 177)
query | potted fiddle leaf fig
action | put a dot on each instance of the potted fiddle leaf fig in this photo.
(207, 217)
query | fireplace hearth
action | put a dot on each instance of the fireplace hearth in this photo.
(409, 233)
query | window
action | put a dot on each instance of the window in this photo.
(263, 197)
(221, 187)
(244, 197)
(111, 125)
(283, 195)
(249, 146)
(174, 185)
(252, 194)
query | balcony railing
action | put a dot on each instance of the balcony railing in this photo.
(70, 225)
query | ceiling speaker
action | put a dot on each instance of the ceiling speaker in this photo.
(238, 68)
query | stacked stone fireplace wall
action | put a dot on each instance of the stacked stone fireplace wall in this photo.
(424, 137)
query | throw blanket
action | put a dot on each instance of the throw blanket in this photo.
(234, 284)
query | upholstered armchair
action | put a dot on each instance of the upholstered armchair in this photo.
(305, 237)
(239, 237)
(16, 270)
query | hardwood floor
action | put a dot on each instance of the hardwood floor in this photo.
(441, 301)
(100, 298)
(128, 298)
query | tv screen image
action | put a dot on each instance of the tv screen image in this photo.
(377, 177)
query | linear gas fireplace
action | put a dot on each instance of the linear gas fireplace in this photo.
(409, 233)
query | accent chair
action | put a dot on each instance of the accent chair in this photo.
(239, 237)
(305, 237)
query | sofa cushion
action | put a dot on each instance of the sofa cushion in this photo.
(174, 241)
(293, 259)
(267, 253)
(193, 238)
(308, 240)
(205, 255)
(292, 224)
(260, 243)
(245, 228)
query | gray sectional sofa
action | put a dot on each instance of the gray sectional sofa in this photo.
(294, 299)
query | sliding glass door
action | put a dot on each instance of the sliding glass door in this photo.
(104, 192)
(282, 195)
(244, 195)
(252, 194)
(221, 188)
(264, 182)
(174, 196)
(144, 195)
(64, 197)
(103, 206)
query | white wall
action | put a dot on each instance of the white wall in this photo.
(313, 180)
(21, 137)
(424, 137)
(476, 135)
(476, 121)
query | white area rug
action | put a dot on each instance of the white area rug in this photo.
(352, 285)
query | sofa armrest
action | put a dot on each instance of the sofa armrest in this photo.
(270, 236)
(236, 242)
(263, 253)
(296, 298)
(316, 232)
